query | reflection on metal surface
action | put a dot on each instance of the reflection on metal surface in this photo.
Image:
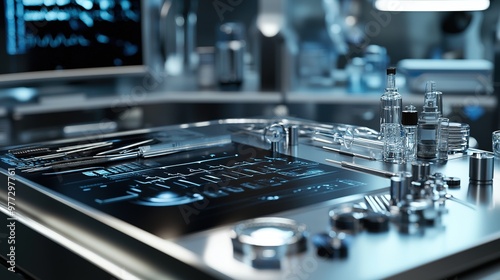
(480, 195)
(168, 198)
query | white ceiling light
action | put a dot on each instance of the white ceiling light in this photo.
(431, 5)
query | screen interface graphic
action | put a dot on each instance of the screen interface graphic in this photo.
(43, 35)
(191, 190)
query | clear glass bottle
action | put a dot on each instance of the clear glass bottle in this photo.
(427, 130)
(410, 122)
(391, 129)
(443, 135)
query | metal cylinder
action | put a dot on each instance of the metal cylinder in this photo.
(397, 183)
(293, 135)
(481, 168)
(275, 134)
(400, 187)
(420, 170)
(407, 187)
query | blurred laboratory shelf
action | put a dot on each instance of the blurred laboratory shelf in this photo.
(336, 96)
(141, 92)
(31, 114)
(185, 89)
(53, 104)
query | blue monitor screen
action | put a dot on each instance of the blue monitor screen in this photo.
(53, 35)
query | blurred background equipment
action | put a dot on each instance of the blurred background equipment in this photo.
(165, 62)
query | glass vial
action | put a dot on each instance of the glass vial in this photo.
(443, 135)
(410, 122)
(427, 130)
(391, 129)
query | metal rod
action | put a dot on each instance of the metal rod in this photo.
(369, 170)
(347, 153)
(126, 147)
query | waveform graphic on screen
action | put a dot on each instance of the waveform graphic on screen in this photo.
(65, 23)
(48, 41)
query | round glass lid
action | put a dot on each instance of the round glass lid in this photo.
(269, 232)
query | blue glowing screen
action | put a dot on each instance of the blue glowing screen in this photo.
(38, 35)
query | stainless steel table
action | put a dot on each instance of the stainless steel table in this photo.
(171, 215)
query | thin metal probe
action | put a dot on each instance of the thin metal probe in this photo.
(321, 140)
(125, 147)
(84, 162)
(73, 170)
(369, 170)
(144, 152)
(69, 152)
(347, 153)
(80, 146)
(459, 201)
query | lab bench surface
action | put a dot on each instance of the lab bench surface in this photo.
(167, 202)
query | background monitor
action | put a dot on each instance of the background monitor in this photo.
(56, 40)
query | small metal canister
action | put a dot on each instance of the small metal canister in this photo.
(481, 168)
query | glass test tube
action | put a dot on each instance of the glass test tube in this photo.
(410, 122)
(443, 134)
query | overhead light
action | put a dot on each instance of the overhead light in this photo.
(431, 5)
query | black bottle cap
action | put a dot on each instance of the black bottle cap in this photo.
(391, 71)
(409, 118)
(348, 221)
(376, 222)
(452, 182)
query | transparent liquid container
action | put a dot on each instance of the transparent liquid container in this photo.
(410, 122)
(391, 129)
(427, 132)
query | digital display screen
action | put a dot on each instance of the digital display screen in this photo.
(46, 35)
(194, 190)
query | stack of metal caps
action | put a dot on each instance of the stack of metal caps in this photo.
(458, 137)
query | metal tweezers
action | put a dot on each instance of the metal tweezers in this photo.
(68, 150)
(144, 151)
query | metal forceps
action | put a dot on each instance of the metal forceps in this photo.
(65, 151)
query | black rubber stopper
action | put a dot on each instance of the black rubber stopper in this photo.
(376, 222)
(348, 221)
(452, 182)
(409, 118)
(391, 71)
